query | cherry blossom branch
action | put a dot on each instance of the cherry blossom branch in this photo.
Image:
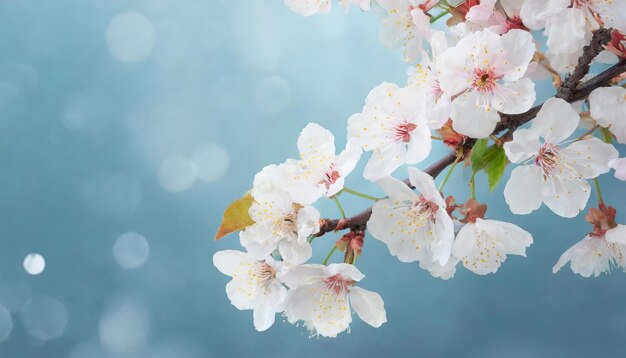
(601, 37)
(508, 122)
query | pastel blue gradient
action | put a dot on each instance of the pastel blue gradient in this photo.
(82, 140)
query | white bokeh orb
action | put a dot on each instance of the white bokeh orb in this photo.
(212, 161)
(44, 318)
(34, 264)
(131, 250)
(124, 327)
(273, 95)
(177, 173)
(130, 37)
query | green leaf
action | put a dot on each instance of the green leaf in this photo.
(478, 154)
(497, 164)
(236, 217)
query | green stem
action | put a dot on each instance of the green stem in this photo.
(606, 135)
(365, 196)
(329, 255)
(442, 14)
(456, 161)
(597, 184)
(472, 186)
(343, 214)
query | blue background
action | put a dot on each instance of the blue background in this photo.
(83, 137)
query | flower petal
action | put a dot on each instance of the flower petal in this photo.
(523, 191)
(396, 189)
(470, 116)
(369, 306)
(556, 121)
(525, 145)
(566, 196)
(227, 261)
(589, 157)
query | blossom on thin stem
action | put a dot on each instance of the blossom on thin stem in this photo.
(254, 286)
(601, 249)
(482, 245)
(554, 174)
(322, 296)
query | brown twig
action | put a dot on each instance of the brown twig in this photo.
(570, 92)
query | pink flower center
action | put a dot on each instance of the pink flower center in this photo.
(265, 274)
(330, 177)
(579, 3)
(484, 80)
(403, 131)
(514, 23)
(424, 209)
(548, 158)
(338, 284)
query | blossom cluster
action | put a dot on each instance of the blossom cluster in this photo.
(473, 88)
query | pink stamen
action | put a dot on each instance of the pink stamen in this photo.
(338, 284)
(548, 158)
(330, 177)
(403, 131)
(484, 80)
(425, 208)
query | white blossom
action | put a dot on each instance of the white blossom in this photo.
(254, 286)
(569, 25)
(484, 73)
(279, 221)
(406, 25)
(482, 245)
(319, 171)
(425, 76)
(322, 296)
(415, 227)
(555, 174)
(596, 254)
(608, 108)
(394, 127)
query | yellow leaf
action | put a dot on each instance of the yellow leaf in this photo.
(236, 217)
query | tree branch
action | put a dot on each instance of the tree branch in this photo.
(570, 92)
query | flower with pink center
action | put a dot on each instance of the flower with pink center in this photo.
(608, 108)
(322, 296)
(406, 25)
(415, 227)
(255, 285)
(601, 249)
(319, 171)
(484, 74)
(280, 222)
(425, 77)
(393, 127)
(554, 174)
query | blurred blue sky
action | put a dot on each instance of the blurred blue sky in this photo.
(126, 127)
